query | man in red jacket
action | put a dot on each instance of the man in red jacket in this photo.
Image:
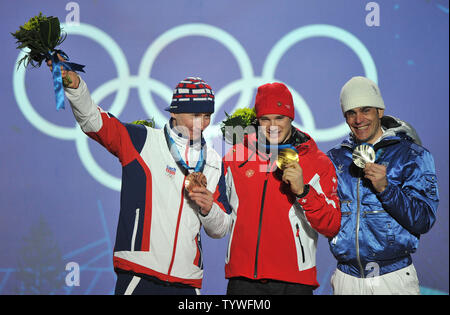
(276, 214)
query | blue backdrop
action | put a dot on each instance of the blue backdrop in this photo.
(59, 198)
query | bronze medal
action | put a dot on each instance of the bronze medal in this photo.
(285, 157)
(195, 179)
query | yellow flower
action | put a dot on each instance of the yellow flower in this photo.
(247, 114)
(33, 23)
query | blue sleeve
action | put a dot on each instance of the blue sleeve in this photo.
(220, 195)
(414, 203)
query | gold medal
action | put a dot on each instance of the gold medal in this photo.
(193, 180)
(285, 157)
(362, 154)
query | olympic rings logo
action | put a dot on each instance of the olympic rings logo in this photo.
(144, 83)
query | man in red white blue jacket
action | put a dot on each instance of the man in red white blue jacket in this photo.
(157, 248)
(276, 215)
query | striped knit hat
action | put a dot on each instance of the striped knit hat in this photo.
(192, 95)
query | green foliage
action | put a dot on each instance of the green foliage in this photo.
(242, 117)
(40, 35)
(147, 122)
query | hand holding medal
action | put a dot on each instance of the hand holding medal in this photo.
(203, 198)
(286, 157)
(195, 185)
(194, 180)
(364, 157)
(287, 162)
(362, 154)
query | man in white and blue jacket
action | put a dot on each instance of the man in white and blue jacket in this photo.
(386, 205)
(158, 248)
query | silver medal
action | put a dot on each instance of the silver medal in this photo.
(362, 154)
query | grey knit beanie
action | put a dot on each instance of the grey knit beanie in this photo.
(360, 92)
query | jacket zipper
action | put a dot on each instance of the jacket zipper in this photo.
(200, 252)
(255, 274)
(227, 258)
(358, 259)
(300, 240)
(136, 222)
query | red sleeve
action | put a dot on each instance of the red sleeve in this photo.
(321, 204)
(114, 136)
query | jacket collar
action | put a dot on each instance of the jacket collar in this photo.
(394, 130)
(181, 140)
(388, 138)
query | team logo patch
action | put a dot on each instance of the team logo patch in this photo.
(170, 171)
(249, 173)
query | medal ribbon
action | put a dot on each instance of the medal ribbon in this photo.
(280, 147)
(177, 156)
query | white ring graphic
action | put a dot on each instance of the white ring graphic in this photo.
(319, 30)
(176, 33)
(146, 85)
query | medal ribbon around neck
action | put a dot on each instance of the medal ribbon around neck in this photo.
(177, 156)
(281, 146)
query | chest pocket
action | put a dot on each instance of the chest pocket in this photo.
(305, 239)
(380, 236)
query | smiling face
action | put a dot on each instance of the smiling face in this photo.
(365, 123)
(191, 124)
(277, 128)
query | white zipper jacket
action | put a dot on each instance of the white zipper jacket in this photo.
(158, 233)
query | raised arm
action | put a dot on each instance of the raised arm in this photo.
(122, 140)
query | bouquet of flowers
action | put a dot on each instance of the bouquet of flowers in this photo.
(234, 127)
(41, 35)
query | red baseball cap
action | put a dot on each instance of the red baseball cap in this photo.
(274, 98)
